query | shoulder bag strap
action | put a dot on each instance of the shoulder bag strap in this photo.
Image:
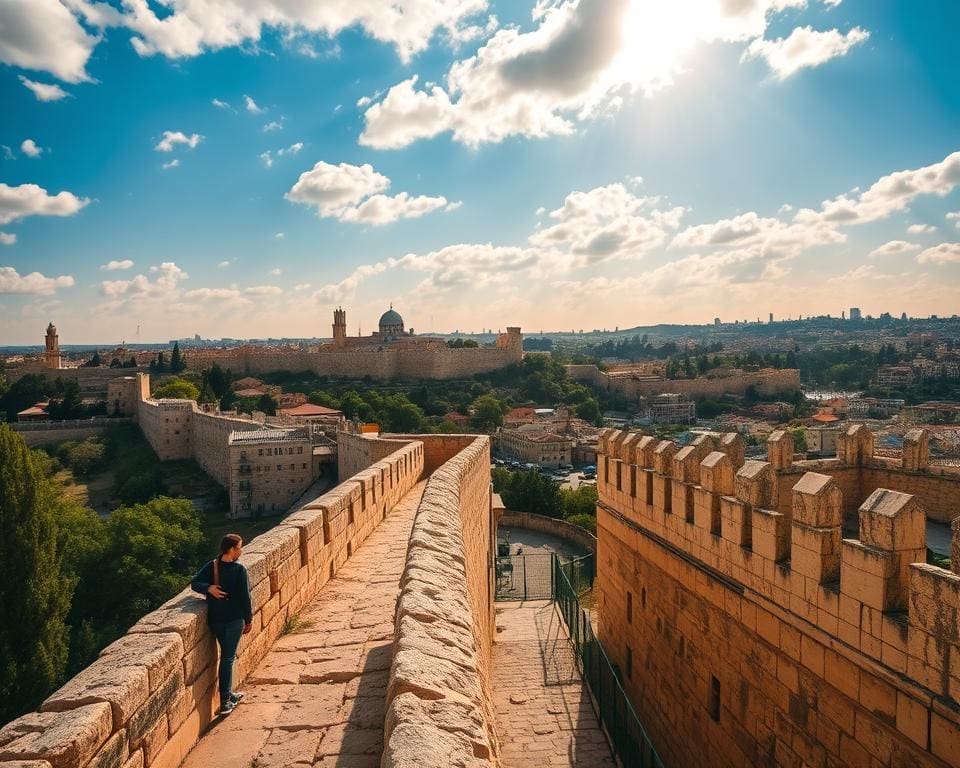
(216, 571)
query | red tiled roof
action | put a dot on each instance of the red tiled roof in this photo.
(825, 417)
(309, 409)
(520, 413)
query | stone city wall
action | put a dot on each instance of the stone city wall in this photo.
(356, 452)
(378, 362)
(92, 381)
(48, 432)
(150, 695)
(166, 424)
(210, 435)
(543, 524)
(859, 472)
(439, 705)
(748, 636)
(769, 381)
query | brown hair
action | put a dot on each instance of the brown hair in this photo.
(229, 541)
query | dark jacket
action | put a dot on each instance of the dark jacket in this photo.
(233, 581)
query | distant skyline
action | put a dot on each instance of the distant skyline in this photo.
(237, 170)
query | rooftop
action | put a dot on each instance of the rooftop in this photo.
(268, 436)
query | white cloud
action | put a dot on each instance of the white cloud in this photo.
(251, 106)
(273, 125)
(43, 35)
(113, 265)
(34, 283)
(44, 91)
(279, 236)
(161, 284)
(32, 200)
(276, 272)
(223, 264)
(220, 104)
(945, 253)
(354, 193)
(301, 286)
(172, 138)
(889, 194)
(293, 149)
(263, 290)
(954, 216)
(581, 59)
(267, 159)
(30, 149)
(920, 229)
(7, 238)
(7, 152)
(190, 28)
(171, 164)
(804, 47)
(894, 248)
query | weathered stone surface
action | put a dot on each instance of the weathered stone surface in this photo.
(417, 744)
(891, 520)
(113, 754)
(275, 545)
(155, 707)
(185, 614)
(756, 484)
(64, 739)
(716, 473)
(125, 688)
(159, 652)
(817, 501)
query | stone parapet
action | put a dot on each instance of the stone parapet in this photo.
(151, 694)
(439, 707)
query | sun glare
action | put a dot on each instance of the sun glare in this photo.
(656, 35)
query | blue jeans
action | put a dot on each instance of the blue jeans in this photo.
(228, 637)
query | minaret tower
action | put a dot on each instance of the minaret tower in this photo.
(339, 327)
(52, 347)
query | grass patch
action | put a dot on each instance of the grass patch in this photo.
(294, 624)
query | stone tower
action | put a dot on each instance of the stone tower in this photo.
(339, 327)
(52, 347)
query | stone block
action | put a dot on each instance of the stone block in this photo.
(855, 446)
(716, 473)
(780, 449)
(256, 565)
(276, 545)
(771, 534)
(756, 484)
(63, 739)
(869, 576)
(644, 450)
(285, 572)
(123, 688)
(815, 552)
(817, 501)
(736, 521)
(113, 754)
(663, 457)
(734, 446)
(916, 450)
(185, 614)
(144, 719)
(892, 521)
(934, 601)
(159, 652)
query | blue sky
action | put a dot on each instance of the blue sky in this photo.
(187, 169)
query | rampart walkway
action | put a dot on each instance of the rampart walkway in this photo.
(544, 714)
(318, 697)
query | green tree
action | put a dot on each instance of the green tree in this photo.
(24, 392)
(532, 492)
(582, 501)
(589, 410)
(68, 405)
(488, 412)
(267, 404)
(177, 388)
(34, 597)
(93, 362)
(177, 363)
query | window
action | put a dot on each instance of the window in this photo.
(300, 449)
(629, 607)
(643, 597)
(629, 663)
(279, 467)
(714, 699)
(259, 451)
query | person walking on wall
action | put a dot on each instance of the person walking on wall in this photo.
(229, 611)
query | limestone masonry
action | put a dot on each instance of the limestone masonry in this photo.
(748, 631)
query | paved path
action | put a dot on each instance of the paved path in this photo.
(544, 715)
(318, 697)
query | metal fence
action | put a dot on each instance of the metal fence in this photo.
(630, 742)
(525, 577)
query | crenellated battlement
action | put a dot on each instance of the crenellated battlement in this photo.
(875, 593)
(800, 645)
